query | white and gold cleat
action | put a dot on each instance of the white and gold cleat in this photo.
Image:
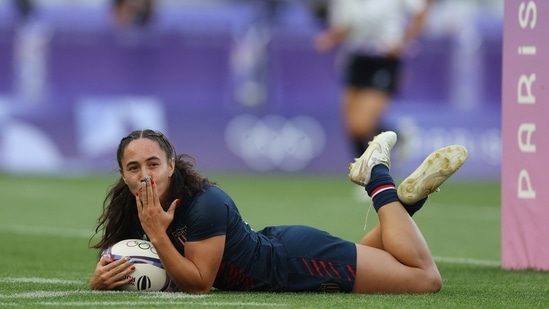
(378, 152)
(433, 172)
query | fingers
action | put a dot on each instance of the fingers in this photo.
(151, 196)
(111, 273)
(109, 264)
(121, 275)
(152, 215)
(147, 196)
(137, 200)
(144, 194)
(105, 260)
(140, 195)
(171, 209)
(118, 271)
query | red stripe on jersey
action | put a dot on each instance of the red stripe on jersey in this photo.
(352, 272)
(323, 264)
(307, 266)
(334, 270)
(317, 268)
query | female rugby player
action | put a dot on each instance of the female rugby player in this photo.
(204, 243)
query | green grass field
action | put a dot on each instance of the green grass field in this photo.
(47, 222)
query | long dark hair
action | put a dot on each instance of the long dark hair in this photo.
(119, 219)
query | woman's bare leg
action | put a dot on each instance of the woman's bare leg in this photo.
(373, 238)
(404, 265)
(394, 256)
(426, 179)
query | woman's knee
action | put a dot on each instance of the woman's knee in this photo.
(432, 282)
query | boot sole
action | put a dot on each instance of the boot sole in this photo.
(432, 173)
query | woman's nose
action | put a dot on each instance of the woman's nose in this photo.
(144, 177)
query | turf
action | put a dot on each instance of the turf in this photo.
(47, 223)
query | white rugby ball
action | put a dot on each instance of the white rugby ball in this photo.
(149, 274)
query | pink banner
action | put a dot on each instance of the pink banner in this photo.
(525, 129)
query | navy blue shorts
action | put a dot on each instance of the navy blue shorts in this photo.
(381, 73)
(317, 261)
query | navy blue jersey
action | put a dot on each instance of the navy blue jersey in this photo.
(282, 258)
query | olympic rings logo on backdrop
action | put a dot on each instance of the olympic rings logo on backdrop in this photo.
(144, 245)
(274, 141)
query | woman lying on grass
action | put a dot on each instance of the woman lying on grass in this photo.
(204, 243)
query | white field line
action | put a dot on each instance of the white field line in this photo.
(46, 231)
(146, 296)
(467, 261)
(39, 280)
(159, 303)
(153, 298)
(38, 294)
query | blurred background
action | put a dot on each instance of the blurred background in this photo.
(237, 84)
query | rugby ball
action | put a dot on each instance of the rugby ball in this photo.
(149, 274)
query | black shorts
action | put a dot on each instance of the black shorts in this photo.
(381, 73)
(317, 261)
